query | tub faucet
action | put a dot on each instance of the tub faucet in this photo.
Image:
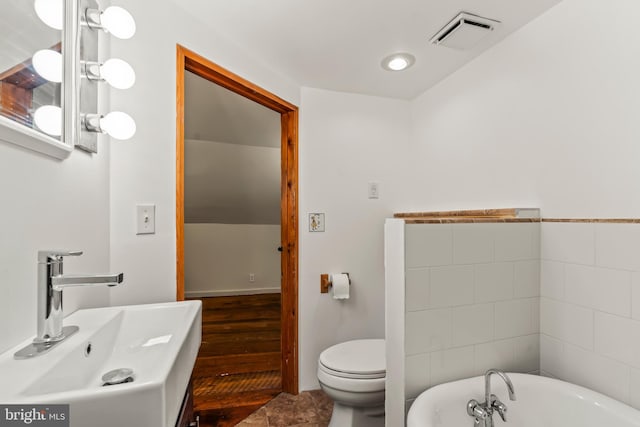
(483, 412)
(51, 282)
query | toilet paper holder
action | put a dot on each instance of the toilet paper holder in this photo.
(325, 282)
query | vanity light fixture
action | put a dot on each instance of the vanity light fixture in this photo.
(49, 119)
(51, 12)
(116, 72)
(93, 22)
(116, 124)
(114, 20)
(398, 61)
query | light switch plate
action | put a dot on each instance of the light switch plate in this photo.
(145, 219)
(374, 190)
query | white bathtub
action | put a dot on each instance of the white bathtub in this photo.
(540, 401)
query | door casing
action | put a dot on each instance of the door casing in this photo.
(191, 61)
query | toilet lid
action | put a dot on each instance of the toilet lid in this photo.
(356, 358)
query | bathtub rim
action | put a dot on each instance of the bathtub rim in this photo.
(563, 387)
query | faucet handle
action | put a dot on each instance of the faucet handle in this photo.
(499, 406)
(43, 256)
(475, 409)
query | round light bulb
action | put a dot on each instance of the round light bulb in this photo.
(398, 61)
(397, 64)
(48, 63)
(118, 22)
(118, 125)
(49, 119)
(50, 12)
(118, 73)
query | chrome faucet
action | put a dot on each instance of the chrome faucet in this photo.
(483, 412)
(51, 283)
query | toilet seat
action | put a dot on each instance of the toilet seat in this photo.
(355, 359)
(357, 366)
(353, 374)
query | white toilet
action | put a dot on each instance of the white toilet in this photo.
(353, 375)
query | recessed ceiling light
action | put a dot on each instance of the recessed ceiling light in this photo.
(398, 61)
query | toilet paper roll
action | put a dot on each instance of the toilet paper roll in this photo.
(340, 286)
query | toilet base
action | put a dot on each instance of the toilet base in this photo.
(349, 416)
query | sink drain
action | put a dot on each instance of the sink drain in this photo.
(118, 376)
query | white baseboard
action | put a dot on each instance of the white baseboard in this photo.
(230, 292)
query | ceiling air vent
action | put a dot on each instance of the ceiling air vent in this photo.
(464, 31)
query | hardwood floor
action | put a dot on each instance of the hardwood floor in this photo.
(238, 366)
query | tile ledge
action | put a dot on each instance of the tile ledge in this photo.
(466, 220)
(503, 215)
(595, 220)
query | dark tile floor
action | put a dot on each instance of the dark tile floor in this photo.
(308, 409)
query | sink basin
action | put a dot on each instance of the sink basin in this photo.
(158, 342)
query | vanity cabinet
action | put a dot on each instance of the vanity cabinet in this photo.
(187, 417)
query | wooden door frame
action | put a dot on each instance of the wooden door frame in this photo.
(191, 61)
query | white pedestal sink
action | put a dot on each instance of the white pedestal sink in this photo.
(159, 342)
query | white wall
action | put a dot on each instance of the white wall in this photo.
(143, 169)
(49, 204)
(219, 258)
(547, 118)
(346, 141)
(590, 308)
(230, 183)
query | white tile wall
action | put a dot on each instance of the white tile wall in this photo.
(419, 365)
(451, 286)
(472, 324)
(579, 285)
(568, 242)
(451, 364)
(590, 306)
(527, 353)
(600, 288)
(618, 246)
(429, 330)
(495, 353)
(551, 355)
(472, 301)
(552, 279)
(515, 242)
(427, 246)
(635, 295)
(567, 322)
(494, 282)
(612, 291)
(516, 318)
(571, 310)
(596, 372)
(473, 243)
(527, 279)
(417, 289)
(634, 395)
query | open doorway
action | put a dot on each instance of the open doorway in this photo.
(251, 224)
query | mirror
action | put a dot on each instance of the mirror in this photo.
(31, 74)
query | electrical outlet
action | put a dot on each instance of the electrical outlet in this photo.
(252, 277)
